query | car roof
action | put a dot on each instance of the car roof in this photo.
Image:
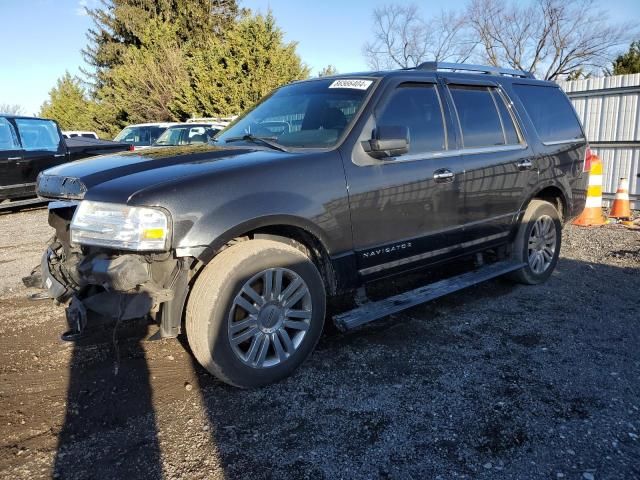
(154, 124)
(471, 74)
(26, 117)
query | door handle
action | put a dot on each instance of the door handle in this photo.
(58, 155)
(14, 158)
(524, 165)
(443, 175)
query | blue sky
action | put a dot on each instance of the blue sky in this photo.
(40, 39)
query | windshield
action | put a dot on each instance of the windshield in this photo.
(303, 115)
(187, 135)
(139, 136)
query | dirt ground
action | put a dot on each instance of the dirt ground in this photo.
(495, 382)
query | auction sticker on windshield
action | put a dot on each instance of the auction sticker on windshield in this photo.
(352, 83)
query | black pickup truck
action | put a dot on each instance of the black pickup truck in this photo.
(30, 145)
(324, 186)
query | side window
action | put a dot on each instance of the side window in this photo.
(417, 106)
(510, 132)
(484, 119)
(38, 134)
(550, 111)
(8, 138)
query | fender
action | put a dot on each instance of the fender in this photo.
(204, 253)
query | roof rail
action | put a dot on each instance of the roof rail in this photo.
(466, 67)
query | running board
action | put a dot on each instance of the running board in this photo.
(375, 310)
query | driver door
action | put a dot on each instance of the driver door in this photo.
(401, 208)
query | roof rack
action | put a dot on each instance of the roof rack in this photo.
(466, 67)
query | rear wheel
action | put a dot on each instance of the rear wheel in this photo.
(255, 313)
(537, 243)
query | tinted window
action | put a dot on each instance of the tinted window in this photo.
(139, 136)
(478, 116)
(416, 107)
(307, 114)
(8, 139)
(550, 111)
(510, 132)
(38, 134)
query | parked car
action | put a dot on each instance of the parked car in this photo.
(78, 133)
(324, 186)
(143, 135)
(186, 134)
(29, 145)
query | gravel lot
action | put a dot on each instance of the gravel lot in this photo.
(498, 381)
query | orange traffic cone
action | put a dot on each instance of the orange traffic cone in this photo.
(592, 213)
(621, 207)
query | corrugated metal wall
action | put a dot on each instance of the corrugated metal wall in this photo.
(609, 108)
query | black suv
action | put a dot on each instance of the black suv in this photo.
(324, 186)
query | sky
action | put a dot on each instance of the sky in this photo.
(41, 39)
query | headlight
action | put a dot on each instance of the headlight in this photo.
(120, 226)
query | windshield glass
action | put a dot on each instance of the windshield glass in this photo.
(187, 135)
(139, 136)
(304, 115)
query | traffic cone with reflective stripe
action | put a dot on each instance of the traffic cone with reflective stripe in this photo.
(621, 207)
(592, 213)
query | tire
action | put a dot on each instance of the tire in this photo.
(539, 215)
(219, 304)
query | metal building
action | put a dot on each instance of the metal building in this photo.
(609, 108)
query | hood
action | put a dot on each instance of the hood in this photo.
(119, 176)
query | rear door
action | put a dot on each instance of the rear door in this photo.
(500, 168)
(43, 147)
(10, 155)
(401, 208)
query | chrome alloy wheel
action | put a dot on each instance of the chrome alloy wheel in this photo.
(269, 317)
(542, 244)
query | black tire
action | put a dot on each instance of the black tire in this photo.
(536, 210)
(211, 300)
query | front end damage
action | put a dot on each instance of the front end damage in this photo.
(114, 284)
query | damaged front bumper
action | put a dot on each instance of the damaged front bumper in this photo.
(112, 284)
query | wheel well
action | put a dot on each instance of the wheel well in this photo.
(554, 196)
(299, 238)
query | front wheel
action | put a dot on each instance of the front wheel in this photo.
(537, 243)
(255, 313)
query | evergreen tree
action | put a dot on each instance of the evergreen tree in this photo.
(328, 71)
(232, 73)
(68, 105)
(121, 24)
(628, 62)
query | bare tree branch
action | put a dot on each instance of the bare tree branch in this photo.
(402, 38)
(552, 38)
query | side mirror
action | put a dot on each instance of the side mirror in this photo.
(388, 141)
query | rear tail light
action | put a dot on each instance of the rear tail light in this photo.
(588, 157)
(131, 148)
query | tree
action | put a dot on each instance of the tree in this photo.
(147, 83)
(328, 71)
(402, 38)
(628, 62)
(11, 109)
(68, 105)
(122, 24)
(231, 74)
(551, 38)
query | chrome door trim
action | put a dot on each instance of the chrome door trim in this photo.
(433, 253)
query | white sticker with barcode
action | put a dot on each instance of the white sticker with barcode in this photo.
(352, 83)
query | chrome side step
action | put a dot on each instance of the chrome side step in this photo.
(375, 310)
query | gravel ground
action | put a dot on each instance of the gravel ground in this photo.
(496, 382)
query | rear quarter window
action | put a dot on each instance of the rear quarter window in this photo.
(550, 112)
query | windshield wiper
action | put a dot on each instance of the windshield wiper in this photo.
(268, 141)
